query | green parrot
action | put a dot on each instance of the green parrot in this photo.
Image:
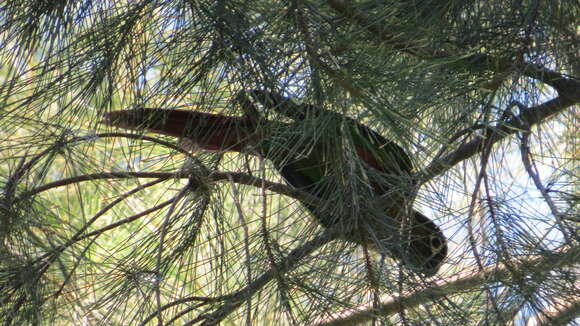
(310, 146)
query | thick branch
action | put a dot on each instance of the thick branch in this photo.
(564, 317)
(568, 88)
(529, 117)
(391, 305)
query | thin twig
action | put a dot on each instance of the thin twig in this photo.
(248, 262)
(162, 234)
(534, 175)
(289, 262)
(78, 236)
(313, 53)
(215, 176)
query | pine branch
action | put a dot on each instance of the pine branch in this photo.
(568, 94)
(215, 176)
(568, 88)
(289, 262)
(345, 8)
(529, 117)
(462, 282)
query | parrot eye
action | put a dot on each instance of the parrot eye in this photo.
(436, 243)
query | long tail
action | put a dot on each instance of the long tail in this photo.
(202, 131)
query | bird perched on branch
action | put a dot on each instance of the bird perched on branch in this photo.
(311, 152)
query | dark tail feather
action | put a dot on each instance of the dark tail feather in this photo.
(200, 130)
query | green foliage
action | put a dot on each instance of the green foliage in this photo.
(100, 226)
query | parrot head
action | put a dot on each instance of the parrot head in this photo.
(421, 247)
(427, 246)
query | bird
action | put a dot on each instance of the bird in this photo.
(304, 142)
